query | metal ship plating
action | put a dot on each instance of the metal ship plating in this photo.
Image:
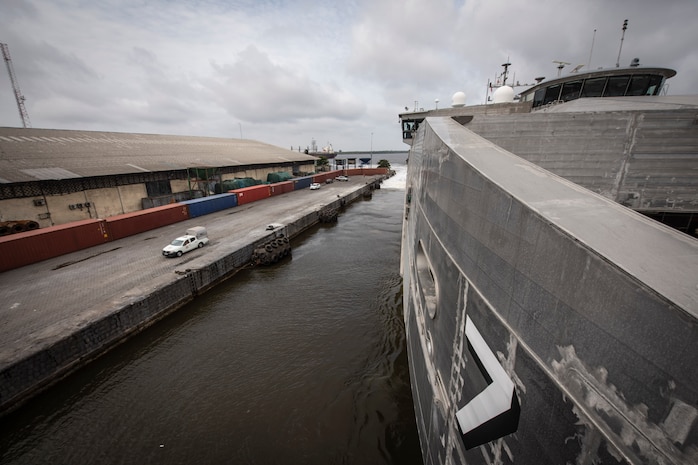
(549, 318)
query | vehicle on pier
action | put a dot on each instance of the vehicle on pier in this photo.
(194, 238)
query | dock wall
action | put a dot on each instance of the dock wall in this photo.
(46, 365)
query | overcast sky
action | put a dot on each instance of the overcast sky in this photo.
(284, 72)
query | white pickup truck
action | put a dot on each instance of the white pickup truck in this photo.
(194, 238)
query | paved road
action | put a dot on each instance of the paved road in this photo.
(53, 298)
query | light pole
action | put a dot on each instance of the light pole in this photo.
(371, 151)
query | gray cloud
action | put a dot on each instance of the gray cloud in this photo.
(285, 72)
(254, 89)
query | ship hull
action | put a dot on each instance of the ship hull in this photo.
(540, 326)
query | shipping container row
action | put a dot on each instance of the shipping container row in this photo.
(28, 247)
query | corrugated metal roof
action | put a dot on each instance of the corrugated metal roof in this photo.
(29, 154)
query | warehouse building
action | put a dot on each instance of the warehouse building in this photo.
(50, 177)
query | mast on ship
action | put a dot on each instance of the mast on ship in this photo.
(504, 92)
(625, 26)
(505, 73)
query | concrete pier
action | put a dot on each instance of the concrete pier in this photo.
(59, 314)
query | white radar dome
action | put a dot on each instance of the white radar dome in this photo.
(458, 99)
(504, 94)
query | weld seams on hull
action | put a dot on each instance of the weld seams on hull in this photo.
(600, 353)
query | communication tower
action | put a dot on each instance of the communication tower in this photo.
(15, 86)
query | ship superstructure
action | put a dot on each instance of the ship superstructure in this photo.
(547, 320)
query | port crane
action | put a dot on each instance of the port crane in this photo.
(15, 86)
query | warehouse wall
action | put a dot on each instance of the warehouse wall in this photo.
(54, 210)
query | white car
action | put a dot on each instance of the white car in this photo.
(315, 186)
(342, 178)
(194, 238)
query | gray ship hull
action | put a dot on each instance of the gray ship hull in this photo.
(545, 323)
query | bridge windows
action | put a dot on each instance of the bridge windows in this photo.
(570, 90)
(601, 86)
(552, 94)
(645, 84)
(409, 127)
(617, 85)
(594, 87)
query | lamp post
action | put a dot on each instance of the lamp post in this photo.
(371, 151)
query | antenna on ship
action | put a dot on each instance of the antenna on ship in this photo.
(593, 38)
(625, 26)
(560, 65)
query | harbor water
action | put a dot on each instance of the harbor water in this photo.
(302, 362)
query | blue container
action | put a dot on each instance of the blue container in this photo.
(210, 204)
(302, 183)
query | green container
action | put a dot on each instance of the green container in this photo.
(279, 176)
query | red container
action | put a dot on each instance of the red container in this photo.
(321, 177)
(279, 188)
(40, 244)
(365, 171)
(252, 193)
(374, 171)
(128, 224)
